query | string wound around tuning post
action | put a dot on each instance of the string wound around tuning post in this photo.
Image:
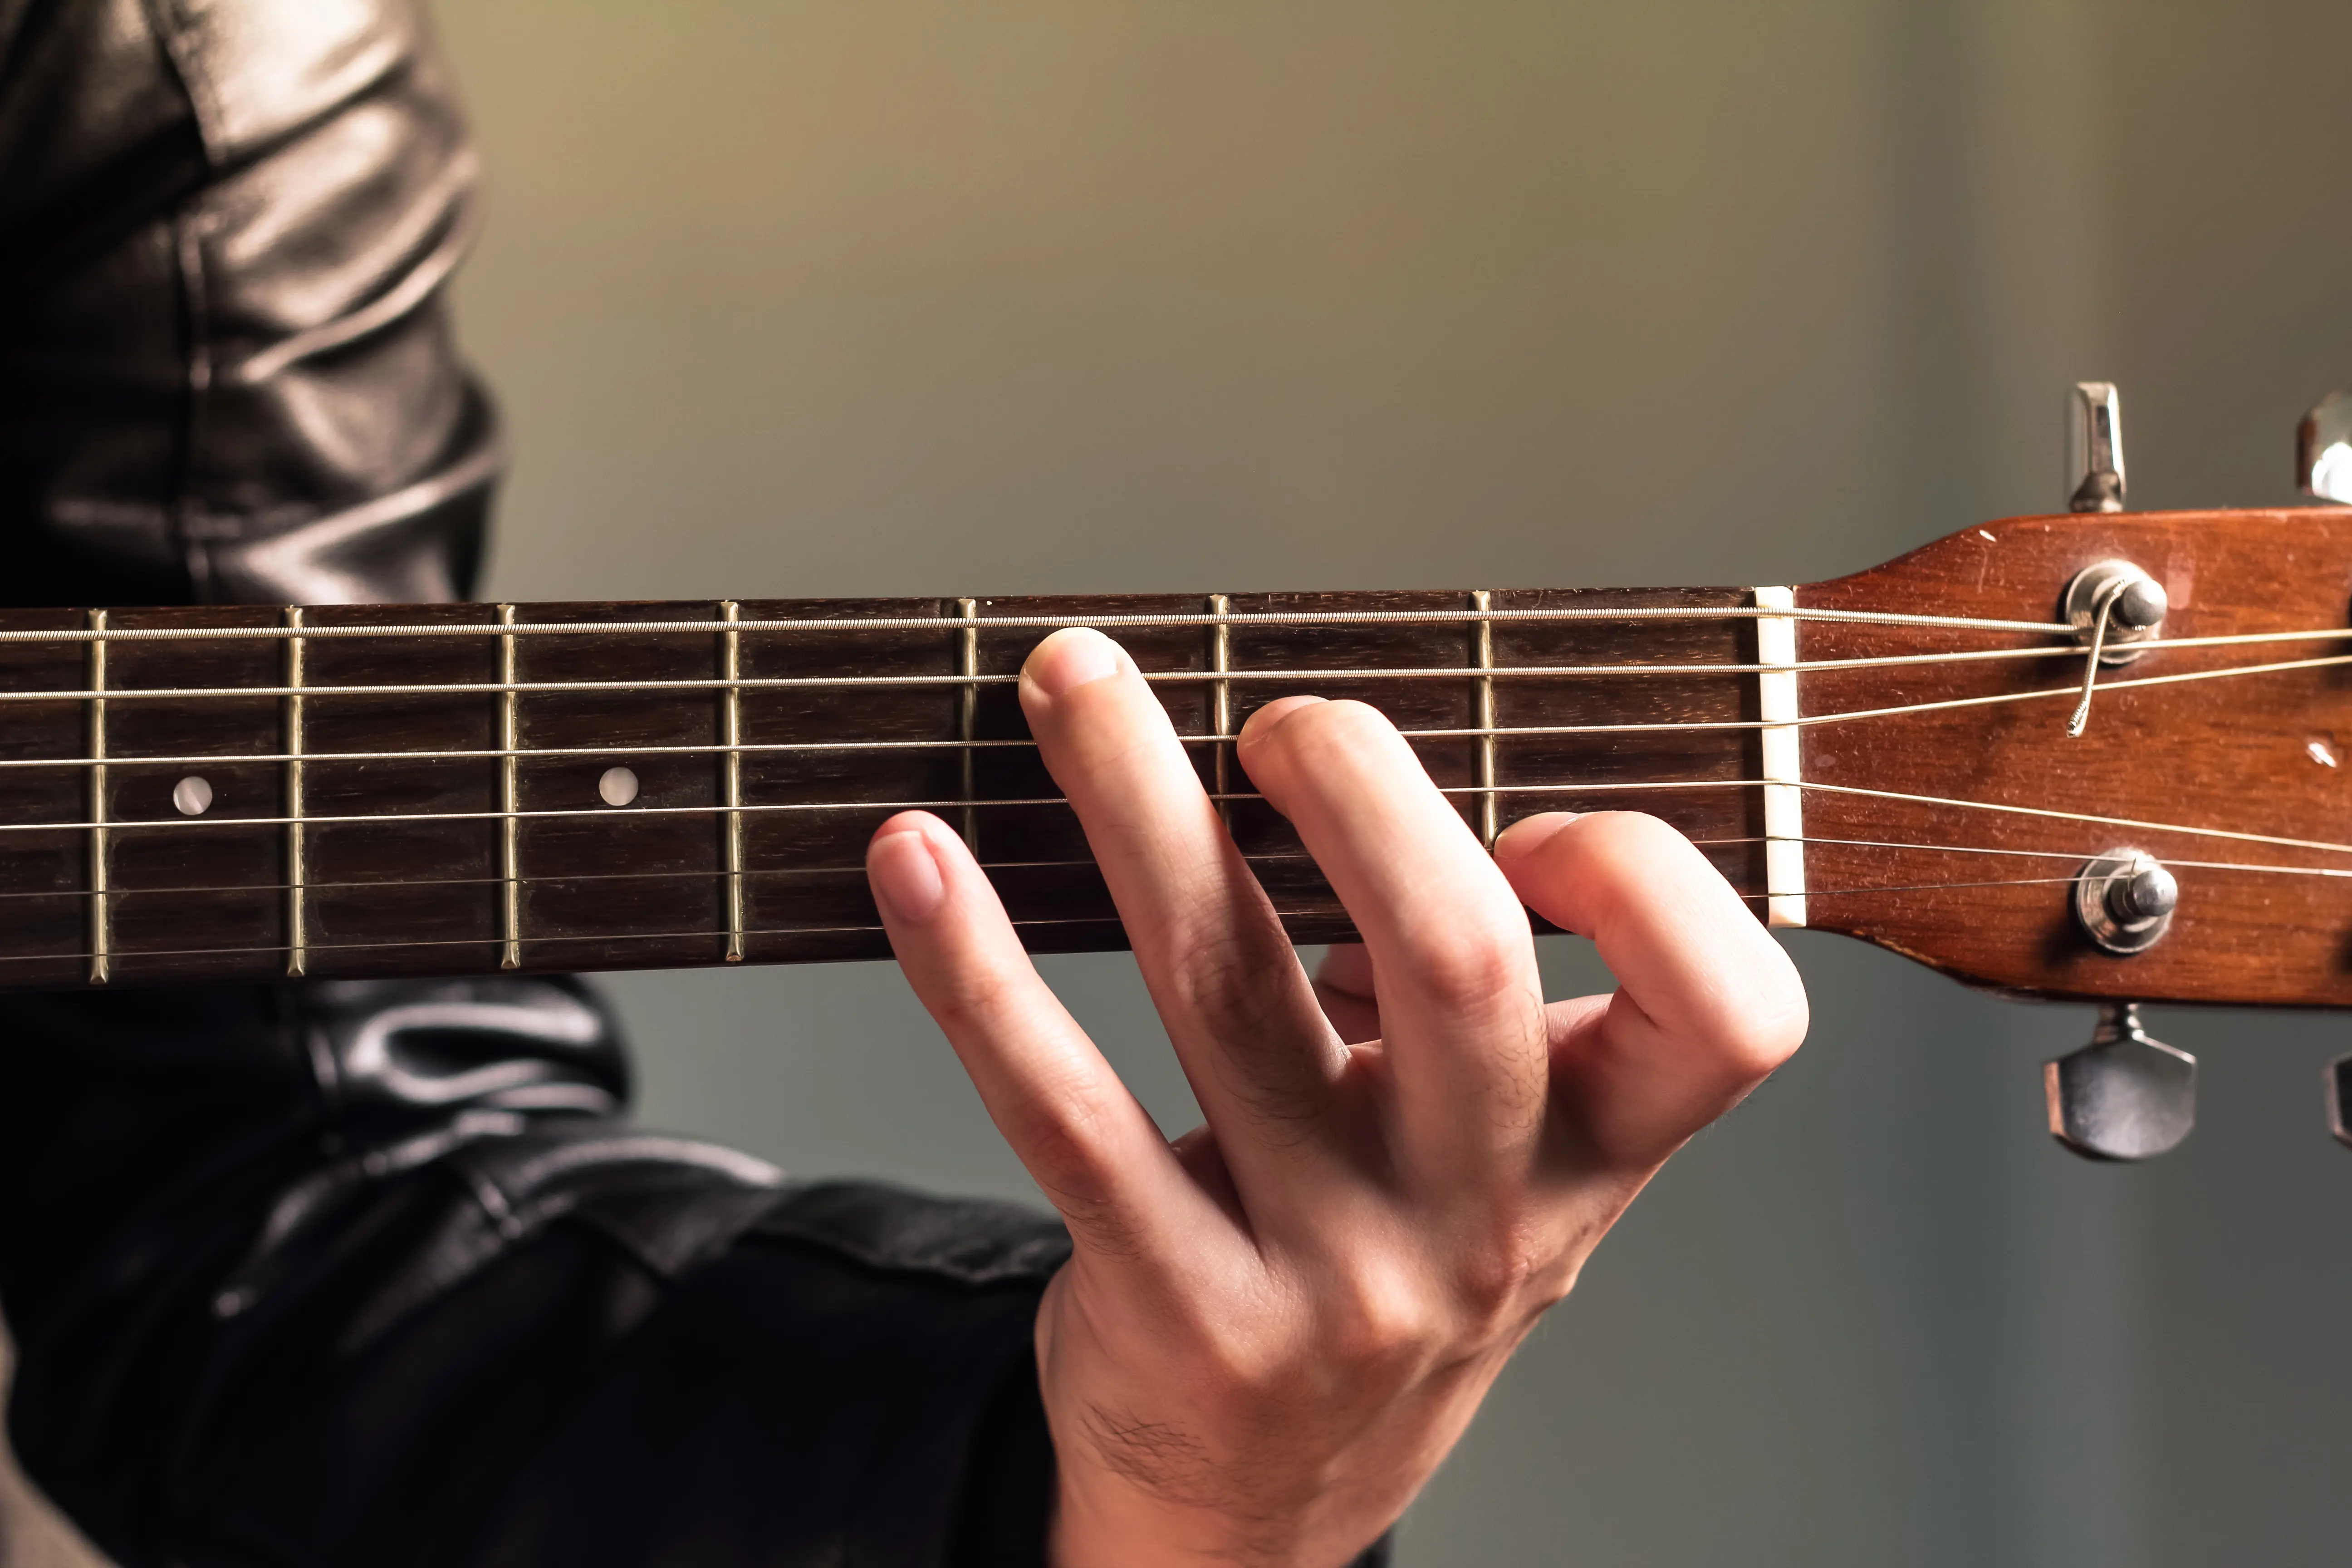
(2080, 718)
(2117, 609)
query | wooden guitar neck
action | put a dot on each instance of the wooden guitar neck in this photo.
(246, 793)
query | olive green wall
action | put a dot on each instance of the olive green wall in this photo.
(913, 297)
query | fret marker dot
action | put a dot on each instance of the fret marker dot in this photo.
(618, 787)
(191, 797)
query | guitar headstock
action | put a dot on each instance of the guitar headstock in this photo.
(2148, 799)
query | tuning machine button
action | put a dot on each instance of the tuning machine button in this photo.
(2124, 1096)
(2094, 448)
(2323, 449)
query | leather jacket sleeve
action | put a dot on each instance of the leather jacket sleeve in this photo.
(226, 372)
(362, 1273)
(380, 1273)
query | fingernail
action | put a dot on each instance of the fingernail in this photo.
(905, 876)
(1262, 721)
(1529, 831)
(1072, 657)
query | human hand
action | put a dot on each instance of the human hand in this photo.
(1272, 1330)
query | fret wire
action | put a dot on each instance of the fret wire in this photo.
(1577, 613)
(101, 912)
(1221, 702)
(1179, 677)
(509, 800)
(1482, 601)
(731, 729)
(297, 916)
(968, 716)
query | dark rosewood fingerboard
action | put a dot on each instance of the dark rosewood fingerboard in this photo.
(422, 883)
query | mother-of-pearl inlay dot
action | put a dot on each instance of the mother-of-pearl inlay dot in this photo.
(191, 797)
(618, 787)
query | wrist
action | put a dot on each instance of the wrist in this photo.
(1129, 1530)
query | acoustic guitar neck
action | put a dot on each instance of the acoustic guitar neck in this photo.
(256, 793)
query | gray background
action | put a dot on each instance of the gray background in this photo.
(929, 297)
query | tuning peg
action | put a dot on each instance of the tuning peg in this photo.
(2124, 900)
(2323, 449)
(2124, 1096)
(2339, 1080)
(2094, 448)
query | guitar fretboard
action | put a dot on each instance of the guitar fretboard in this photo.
(672, 784)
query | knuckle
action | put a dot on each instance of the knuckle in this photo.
(1244, 1001)
(1066, 1139)
(973, 996)
(1512, 1272)
(1461, 967)
(1363, 1331)
(1237, 1001)
(1757, 1013)
(1380, 1327)
(1769, 1024)
(1246, 1363)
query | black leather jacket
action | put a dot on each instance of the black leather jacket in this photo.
(378, 1273)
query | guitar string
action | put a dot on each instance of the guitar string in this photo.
(215, 694)
(1319, 911)
(166, 825)
(716, 749)
(1144, 620)
(169, 824)
(719, 933)
(699, 932)
(1255, 859)
(1548, 789)
(1327, 618)
(715, 933)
